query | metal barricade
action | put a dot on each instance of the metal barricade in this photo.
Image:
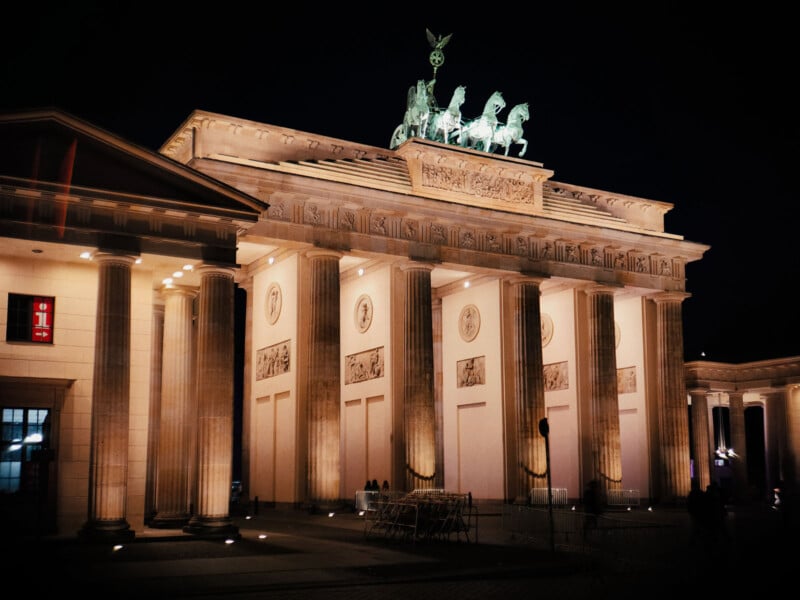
(365, 500)
(539, 496)
(623, 497)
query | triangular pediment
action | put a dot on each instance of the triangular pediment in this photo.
(50, 146)
(65, 181)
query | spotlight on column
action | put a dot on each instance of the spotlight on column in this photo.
(117, 547)
(229, 541)
(331, 514)
(262, 536)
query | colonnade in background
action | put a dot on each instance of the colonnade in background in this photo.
(781, 430)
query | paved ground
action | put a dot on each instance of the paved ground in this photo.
(295, 555)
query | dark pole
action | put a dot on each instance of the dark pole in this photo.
(544, 429)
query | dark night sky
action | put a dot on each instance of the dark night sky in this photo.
(693, 108)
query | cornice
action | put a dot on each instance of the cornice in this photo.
(742, 377)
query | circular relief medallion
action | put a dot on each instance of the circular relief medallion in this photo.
(469, 322)
(363, 313)
(547, 329)
(274, 303)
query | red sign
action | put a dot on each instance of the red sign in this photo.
(42, 325)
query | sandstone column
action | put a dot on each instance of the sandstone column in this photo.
(324, 380)
(776, 424)
(108, 475)
(673, 418)
(701, 441)
(606, 452)
(790, 461)
(418, 396)
(436, 307)
(154, 412)
(738, 444)
(178, 411)
(247, 415)
(531, 460)
(214, 385)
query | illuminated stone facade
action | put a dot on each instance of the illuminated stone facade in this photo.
(411, 315)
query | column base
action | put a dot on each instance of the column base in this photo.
(207, 527)
(167, 521)
(107, 531)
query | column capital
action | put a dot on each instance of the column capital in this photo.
(214, 270)
(594, 289)
(323, 253)
(110, 257)
(413, 265)
(519, 279)
(178, 290)
(669, 297)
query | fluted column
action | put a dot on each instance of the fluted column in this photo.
(790, 461)
(776, 425)
(215, 362)
(438, 382)
(701, 441)
(606, 445)
(418, 398)
(531, 459)
(154, 411)
(324, 379)
(673, 418)
(178, 410)
(738, 444)
(108, 475)
(247, 414)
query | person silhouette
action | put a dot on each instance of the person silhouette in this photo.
(695, 502)
(592, 505)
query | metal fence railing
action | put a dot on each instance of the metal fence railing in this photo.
(623, 497)
(539, 496)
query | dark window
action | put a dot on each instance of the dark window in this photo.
(30, 318)
(25, 434)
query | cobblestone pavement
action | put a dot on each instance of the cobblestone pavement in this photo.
(292, 554)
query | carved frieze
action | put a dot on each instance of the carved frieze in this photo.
(626, 380)
(363, 366)
(476, 183)
(347, 220)
(410, 229)
(277, 210)
(414, 227)
(273, 360)
(471, 371)
(556, 376)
